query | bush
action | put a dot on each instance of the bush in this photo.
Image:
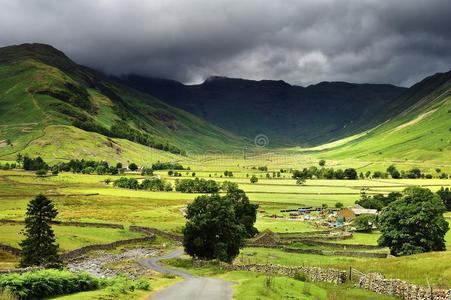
(300, 276)
(146, 172)
(46, 283)
(41, 172)
(123, 285)
(126, 183)
(133, 167)
(196, 186)
(167, 166)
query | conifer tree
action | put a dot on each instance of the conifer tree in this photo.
(39, 247)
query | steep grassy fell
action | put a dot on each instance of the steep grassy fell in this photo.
(41, 87)
(422, 131)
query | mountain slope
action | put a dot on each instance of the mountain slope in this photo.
(40, 87)
(287, 114)
(422, 131)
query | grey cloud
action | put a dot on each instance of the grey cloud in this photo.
(302, 42)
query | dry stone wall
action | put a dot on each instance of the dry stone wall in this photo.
(377, 283)
(154, 231)
(83, 250)
(312, 273)
(10, 249)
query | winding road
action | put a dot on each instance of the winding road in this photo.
(192, 287)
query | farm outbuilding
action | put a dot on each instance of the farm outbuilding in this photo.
(350, 213)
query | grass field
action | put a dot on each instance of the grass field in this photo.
(433, 267)
(249, 285)
(69, 237)
(87, 198)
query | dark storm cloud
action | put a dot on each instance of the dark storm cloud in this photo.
(302, 42)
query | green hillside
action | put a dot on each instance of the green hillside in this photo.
(44, 96)
(422, 131)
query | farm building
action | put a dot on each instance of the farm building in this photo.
(350, 213)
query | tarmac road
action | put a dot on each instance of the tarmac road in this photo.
(192, 287)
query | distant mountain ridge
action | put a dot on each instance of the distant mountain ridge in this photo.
(47, 102)
(287, 114)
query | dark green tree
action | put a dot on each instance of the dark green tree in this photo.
(445, 195)
(19, 159)
(350, 173)
(212, 229)
(39, 247)
(253, 179)
(133, 167)
(414, 223)
(322, 163)
(364, 223)
(245, 211)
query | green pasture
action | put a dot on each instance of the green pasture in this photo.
(69, 237)
(248, 285)
(420, 268)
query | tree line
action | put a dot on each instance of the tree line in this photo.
(152, 184)
(121, 129)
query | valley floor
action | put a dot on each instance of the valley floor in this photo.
(88, 198)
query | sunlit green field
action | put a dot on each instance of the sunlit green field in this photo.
(433, 267)
(88, 198)
(69, 237)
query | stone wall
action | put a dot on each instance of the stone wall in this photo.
(312, 273)
(10, 249)
(336, 253)
(338, 245)
(377, 283)
(77, 224)
(83, 250)
(154, 231)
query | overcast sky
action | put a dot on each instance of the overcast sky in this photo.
(301, 42)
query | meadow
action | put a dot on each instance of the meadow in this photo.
(88, 198)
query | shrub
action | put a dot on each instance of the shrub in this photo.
(167, 166)
(46, 283)
(300, 276)
(196, 186)
(126, 183)
(133, 167)
(41, 172)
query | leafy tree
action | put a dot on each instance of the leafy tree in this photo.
(414, 223)
(350, 173)
(133, 167)
(229, 186)
(253, 179)
(19, 159)
(146, 172)
(445, 195)
(394, 173)
(364, 223)
(34, 164)
(119, 165)
(39, 247)
(339, 205)
(377, 174)
(212, 229)
(126, 183)
(322, 163)
(245, 212)
(414, 173)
